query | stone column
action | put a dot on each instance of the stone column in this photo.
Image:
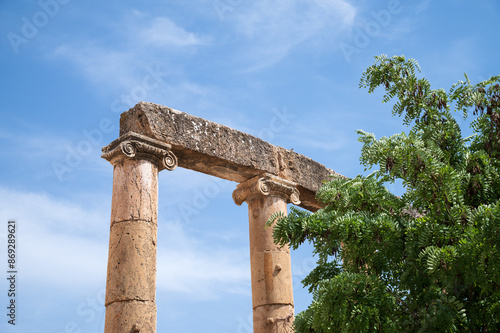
(272, 291)
(131, 278)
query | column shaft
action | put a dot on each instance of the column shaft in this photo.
(131, 277)
(272, 291)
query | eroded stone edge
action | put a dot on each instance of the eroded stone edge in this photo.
(223, 152)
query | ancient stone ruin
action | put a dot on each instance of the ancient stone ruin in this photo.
(155, 137)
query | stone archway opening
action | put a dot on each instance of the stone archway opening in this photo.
(202, 256)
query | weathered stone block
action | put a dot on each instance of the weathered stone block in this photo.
(135, 191)
(131, 317)
(273, 318)
(132, 262)
(271, 278)
(260, 210)
(220, 151)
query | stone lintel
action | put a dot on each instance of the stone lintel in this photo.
(223, 152)
(134, 145)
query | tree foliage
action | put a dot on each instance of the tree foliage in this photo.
(428, 261)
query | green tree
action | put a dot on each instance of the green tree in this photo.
(428, 261)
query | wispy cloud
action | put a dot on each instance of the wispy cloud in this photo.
(138, 40)
(31, 146)
(163, 32)
(64, 244)
(99, 63)
(273, 28)
(57, 239)
(422, 6)
(44, 154)
(190, 266)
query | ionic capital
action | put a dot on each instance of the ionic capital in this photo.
(137, 146)
(265, 185)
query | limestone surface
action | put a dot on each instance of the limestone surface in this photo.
(223, 152)
(271, 271)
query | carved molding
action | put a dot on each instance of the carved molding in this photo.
(266, 184)
(134, 145)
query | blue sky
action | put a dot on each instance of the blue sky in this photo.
(284, 70)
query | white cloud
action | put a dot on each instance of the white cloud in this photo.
(139, 40)
(45, 155)
(60, 243)
(422, 6)
(33, 144)
(162, 32)
(186, 265)
(99, 63)
(263, 32)
(292, 20)
(274, 28)
(64, 244)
